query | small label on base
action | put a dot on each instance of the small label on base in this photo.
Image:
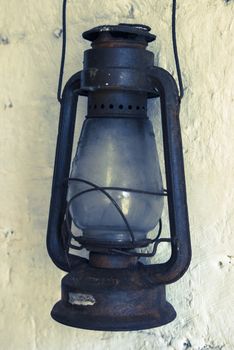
(81, 299)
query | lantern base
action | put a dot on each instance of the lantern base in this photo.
(111, 300)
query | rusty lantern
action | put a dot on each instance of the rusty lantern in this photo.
(113, 192)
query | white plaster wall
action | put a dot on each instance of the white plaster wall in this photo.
(30, 45)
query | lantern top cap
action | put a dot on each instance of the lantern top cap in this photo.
(127, 30)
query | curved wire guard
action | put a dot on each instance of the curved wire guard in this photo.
(104, 190)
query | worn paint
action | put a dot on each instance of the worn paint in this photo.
(81, 299)
(29, 59)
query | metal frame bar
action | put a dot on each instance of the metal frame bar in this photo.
(57, 244)
(180, 258)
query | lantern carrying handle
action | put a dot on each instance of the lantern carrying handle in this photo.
(57, 244)
(180, 258)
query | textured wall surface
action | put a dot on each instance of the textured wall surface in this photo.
(30, 44)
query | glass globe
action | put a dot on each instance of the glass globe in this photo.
(116, 152)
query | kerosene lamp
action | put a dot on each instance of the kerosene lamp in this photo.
(113, 191)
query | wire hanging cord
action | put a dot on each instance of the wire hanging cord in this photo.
(63, 54)
(176, 56)
(104, 190)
